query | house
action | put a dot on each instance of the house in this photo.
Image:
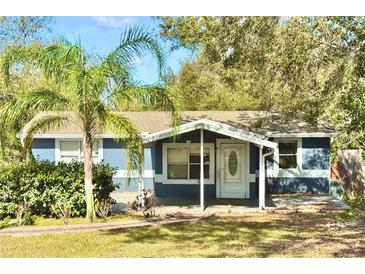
(238, 154)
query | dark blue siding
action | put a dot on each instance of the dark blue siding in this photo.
(44, 149)
(254, 158)
(184, 191)
(316, 143)
(295, 185)
(316, 153)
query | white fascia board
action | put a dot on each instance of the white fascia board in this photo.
(302, 135)
(215, 127)
(69, 135)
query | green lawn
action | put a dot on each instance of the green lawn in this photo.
(40, 221)
(249, 235)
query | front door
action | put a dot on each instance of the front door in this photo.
(233, 171)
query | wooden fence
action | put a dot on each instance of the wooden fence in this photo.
(350, 170)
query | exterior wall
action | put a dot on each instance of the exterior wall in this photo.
(312, 174)
(44, 149)
(184, 190)
(115, 154)
(298, 184)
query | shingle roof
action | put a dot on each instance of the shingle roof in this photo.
(254, 121)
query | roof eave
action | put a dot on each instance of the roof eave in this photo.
(214, 126)
(302, 135)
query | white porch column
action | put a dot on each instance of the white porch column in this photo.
(141, 177)
(262, 180)
(202, 169)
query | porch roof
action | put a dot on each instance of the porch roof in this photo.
(214, 126)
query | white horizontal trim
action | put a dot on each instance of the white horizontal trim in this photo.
(292, 173)
(159, 178)
(301, 135)
(70, 135)
(122, 173)
(214, 126)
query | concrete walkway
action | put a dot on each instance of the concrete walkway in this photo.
(308, 202)
(303, 202)
(104, 227)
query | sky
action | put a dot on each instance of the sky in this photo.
(101, 34)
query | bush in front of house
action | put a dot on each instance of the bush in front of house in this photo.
(44, 186)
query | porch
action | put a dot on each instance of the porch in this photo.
(211, 164)
(212, 205)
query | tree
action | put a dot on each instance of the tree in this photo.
(85, 92)
(295, 65)
(22, 30)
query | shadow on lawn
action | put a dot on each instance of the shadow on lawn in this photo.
(273, 234)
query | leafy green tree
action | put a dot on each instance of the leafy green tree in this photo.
(22, 30)
(303, 67)
(85, 92)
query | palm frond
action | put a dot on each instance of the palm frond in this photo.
(17, 54)
(129, 135)
(43, 122)
(60, 59)
(18, 110)
(135, 42)
(155, 97)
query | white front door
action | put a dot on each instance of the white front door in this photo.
(233, 171)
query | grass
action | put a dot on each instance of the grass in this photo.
(248, 235)
(40, 221)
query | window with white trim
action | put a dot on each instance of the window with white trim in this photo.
(288, 150)
(72, 150)
(184, 163)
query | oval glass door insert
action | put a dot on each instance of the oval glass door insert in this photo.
(232, 163)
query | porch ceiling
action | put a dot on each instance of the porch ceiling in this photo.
(214, 126)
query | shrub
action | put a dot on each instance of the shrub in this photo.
(146, 202)
(103, 207)
(5, 223)
(41, 184)
(357, 205)
(23, 214)
(62, 209)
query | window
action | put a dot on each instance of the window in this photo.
(184, 163)
(288, 154)
(72, 150)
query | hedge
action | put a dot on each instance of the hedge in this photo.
(41, 184)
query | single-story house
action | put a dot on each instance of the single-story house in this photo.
(237, 154)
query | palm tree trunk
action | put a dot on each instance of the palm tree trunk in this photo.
(88, 173)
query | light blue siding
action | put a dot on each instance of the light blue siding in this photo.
(115, 155)
(44, 149)
(132, 185)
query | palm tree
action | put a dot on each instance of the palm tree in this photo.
(86, 91)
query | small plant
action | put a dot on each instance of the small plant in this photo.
(146, 202)
(357, 209)
(62, 209)
(103, 207)
(5, 223)
(23, 215)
